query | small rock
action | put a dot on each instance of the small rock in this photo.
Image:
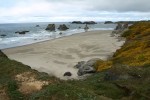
(67, 74)
(60, 33)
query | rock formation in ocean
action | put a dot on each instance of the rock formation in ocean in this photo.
(76, 22)
(89, 22)
(63, 27)
(22, 32)
(108, 22)
(86, 28)
(50, 27)
(37, 25)
(3, 35)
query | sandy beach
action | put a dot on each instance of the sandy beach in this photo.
(58, 56)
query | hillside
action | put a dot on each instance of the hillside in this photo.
(124, 77)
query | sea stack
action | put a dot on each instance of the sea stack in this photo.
(50, 27)
(63, 27)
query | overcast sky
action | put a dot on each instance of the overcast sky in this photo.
(14, 11)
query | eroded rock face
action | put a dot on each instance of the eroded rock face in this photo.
(50, 27)
(22, 32)
(125, 26)
(119, 26)
(63, 27)
(86, 67)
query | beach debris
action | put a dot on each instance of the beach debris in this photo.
(67, 74)
(22, 32)
(63, 27)
(50, 27)
(86, 67)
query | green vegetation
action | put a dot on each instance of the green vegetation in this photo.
(124, 77)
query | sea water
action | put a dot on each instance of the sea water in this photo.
(38, 34)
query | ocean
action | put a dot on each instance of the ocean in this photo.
(9, 39)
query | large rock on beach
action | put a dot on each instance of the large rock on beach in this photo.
(86, 67)
(21, 32)
(50, 27)
(63, 27)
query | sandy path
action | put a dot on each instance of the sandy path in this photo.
(60, 55)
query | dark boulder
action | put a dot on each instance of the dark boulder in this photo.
(67, 74)
(21, 32)
(63, 27)
(89, 22)
(50, 27)
(76, 22)
(60, 33)
(3, 35)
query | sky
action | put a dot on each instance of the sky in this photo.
(18, 11)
